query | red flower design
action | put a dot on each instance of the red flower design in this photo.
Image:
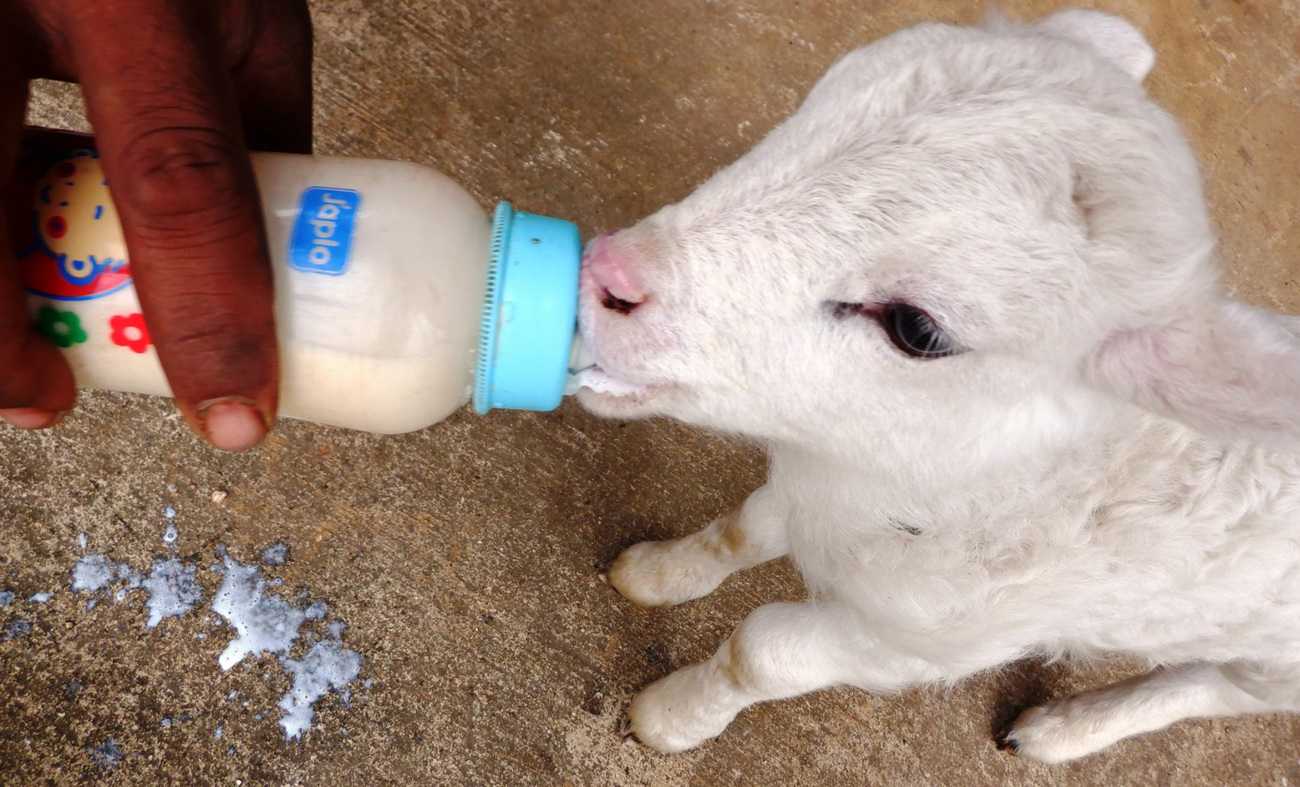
(130, 331)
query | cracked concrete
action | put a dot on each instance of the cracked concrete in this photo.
(464, 556)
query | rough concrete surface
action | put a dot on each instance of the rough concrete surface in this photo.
(464, 557)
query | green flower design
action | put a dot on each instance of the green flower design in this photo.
(62, 328)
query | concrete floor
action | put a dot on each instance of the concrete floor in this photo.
(464, 557)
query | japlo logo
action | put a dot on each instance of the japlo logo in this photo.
(322, 234)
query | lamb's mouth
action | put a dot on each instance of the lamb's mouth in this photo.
(594, 378)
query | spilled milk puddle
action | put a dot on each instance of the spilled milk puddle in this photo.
(259, 620)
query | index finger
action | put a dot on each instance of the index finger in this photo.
(169, 136)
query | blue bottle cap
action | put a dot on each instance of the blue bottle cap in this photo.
(530, 312)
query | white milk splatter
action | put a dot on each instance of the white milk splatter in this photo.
(133, 580)
(327, 666)
(266, 623)
(276, 555)
(93, 572)
(173, 590)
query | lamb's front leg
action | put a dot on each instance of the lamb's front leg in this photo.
(664, 573)
(1080, 725)
(780, 650)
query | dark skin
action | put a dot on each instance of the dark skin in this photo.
(177, 92)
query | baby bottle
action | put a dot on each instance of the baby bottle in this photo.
(397, 298)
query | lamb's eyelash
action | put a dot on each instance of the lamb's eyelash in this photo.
(911, 329)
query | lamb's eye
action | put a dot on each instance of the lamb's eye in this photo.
(909, 328)
(915, 332)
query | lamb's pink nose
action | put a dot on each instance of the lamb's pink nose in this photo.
(605, 267)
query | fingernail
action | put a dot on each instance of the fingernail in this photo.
(232, 423)
(32, 417)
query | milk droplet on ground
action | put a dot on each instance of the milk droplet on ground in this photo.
(327, 666)
(93, 572)
(173, 590)
(266, 623)
(106, 755)
(16, 629)
(276, 555)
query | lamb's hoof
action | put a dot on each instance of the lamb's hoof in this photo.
(625, 732)
(1004, 742)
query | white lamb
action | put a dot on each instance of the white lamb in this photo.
(967, 299)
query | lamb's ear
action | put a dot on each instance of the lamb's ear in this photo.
(1109, 36)
(1229, 370)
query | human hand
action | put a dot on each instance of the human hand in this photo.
(177, 92)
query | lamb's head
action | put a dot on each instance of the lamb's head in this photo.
(966, 239)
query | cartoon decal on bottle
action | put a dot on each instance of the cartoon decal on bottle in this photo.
(72, 249)
(76, 251)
